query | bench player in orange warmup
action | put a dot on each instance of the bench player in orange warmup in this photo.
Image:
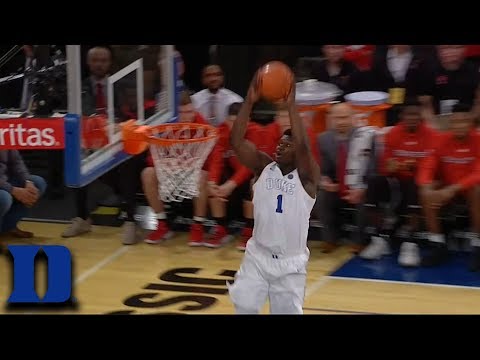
(187, 114)
(448, 176)
(226, 175)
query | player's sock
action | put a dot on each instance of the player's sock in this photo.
(474, 263)
(162, 216)
(162, 231)
(222, 221)
(198, 220)
(436, 238)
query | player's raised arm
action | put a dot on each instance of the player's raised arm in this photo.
(307, 167)
(246, 152)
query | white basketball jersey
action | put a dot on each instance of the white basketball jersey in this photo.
(282, 210)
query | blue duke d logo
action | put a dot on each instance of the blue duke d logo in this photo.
(59, 274)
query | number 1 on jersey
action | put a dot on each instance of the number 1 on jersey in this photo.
(279, 204)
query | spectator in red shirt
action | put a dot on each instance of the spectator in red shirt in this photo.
(360, 55)
(449, 175)
(449, 81)
(187, 114)
(226, 175)
(472, 53)
(404, 146)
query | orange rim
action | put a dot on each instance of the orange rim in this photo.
(152, 139)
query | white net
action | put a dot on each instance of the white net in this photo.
(179, 160)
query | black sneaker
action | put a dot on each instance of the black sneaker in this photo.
(474, 262)
(437, 255)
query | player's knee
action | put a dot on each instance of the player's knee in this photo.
(203, 178)
(423, 195)
(246, 297)
(149, 177)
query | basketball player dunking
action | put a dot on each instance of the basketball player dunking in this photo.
(284, 192)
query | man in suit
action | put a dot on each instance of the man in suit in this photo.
(397, 71)
(336, 70)
(19, 190)
(94, 88)
(337, 190)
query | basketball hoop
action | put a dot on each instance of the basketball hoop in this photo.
(179, 151)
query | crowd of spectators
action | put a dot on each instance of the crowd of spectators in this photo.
(423, 164)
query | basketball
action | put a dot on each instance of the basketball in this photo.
(275, 81)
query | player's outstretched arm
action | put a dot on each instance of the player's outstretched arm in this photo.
(307, 167)
(246, 152)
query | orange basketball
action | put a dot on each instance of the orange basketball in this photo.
(275, 81)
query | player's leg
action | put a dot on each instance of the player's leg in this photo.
(438, 253)
(150, 189)
(249, 290)
(409, 251)
(474, 205)
(6, 201)
(17, 210)
(82, 223)
(218, 208)
(247, 216)
(287, 292)
(329, 212)
(128, 183)
(200, 211)
(378, 193)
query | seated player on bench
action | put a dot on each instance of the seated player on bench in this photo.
(404, 146)
(186, 114)
(451, 174)
(226, 175)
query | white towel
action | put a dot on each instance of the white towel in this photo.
(359, 155)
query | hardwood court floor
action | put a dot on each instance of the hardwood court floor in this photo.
(174, 278)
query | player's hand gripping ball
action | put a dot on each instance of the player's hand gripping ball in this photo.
(275, 81)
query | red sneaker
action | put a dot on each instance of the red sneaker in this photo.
(196, 235)
(219, 237)
(246, 235)
(160, 234)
